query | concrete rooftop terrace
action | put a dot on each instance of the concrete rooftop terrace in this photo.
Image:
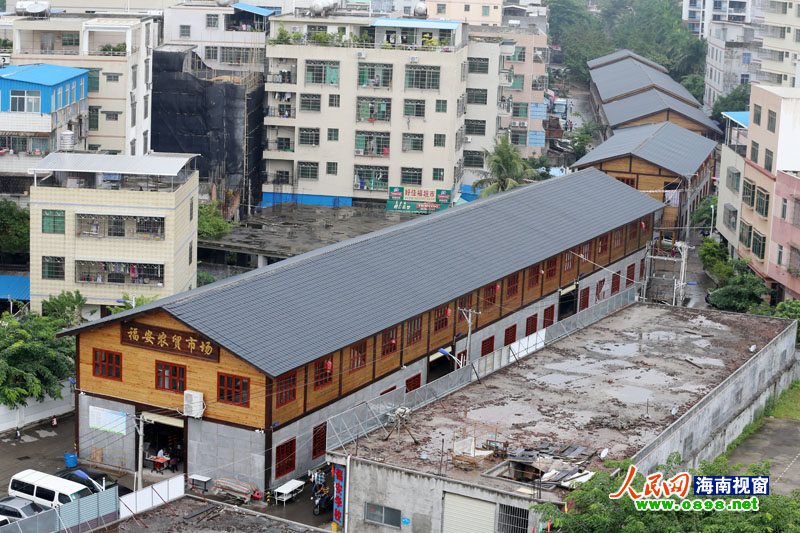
(611, 385)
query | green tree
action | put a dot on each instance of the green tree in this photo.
(736, 100)
(210, 223)
(65, 307)
(701, 217)
(695, 84)
(507, 169)
(14, 229)
(789, 309)
(561, 14)
(129, 302)
(539, 167)
(583, 41)
(743, 290)
(711, 252)
(33, 362)
(204, 278)
(582, 136)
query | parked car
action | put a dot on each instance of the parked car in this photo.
(13, 509)
(92, 479)
(46, 490)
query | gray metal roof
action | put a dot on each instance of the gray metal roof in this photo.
(290, 313)
(629, 76)
(650, 102)
(664, 144)
(619, 55)
(152, 164)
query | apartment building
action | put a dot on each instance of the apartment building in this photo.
(778, 30)
(227, 37)
(415, 101)
(699, 15)
(730, 61)
(42, 108)
(112, 224)
(116, 50)
(731, 168)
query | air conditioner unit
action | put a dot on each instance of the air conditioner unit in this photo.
(514, 123)
(413, 59)
(193, 404)
(362, 55)
(468, 139)
(359, 152)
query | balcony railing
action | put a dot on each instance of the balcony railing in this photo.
(102, 272)
(119, 226)
(337, 42)
(69, 52)
(281, 112)
(280, 178)
(286, 76)
(372, 151)
(280, 145)
(370, 184)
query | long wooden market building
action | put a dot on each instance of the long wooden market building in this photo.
(272, 354)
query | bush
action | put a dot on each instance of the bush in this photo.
(210, 223)
(204, 278)
(711, 252)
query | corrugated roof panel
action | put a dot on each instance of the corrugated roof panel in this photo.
(629, 75)
(650, 102)
(151, 164)
(256, 10)
(15, 288)
(665, 144)
(290, 313)
(41, 73)
(742, 118)
(619, 55)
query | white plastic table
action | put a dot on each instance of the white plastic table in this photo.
(289, 490)
(197, 480)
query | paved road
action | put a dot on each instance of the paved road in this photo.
(778, 441)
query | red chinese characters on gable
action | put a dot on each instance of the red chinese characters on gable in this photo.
(168, 340)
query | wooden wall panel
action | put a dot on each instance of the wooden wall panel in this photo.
(353, 379)
(631, 237)
(324, 393)
(621, 164)
(640, 166)
(688, 124)
(138, 382)
(385, 364)
(420, 348)
(444, 336)
(532, 283)
(586, 265)
(293, 409)
(551, 284)
(461, 322)
(602, 249)
(569, 267)
(647, 232)
(489, 312)
(650, 119)
(513, 302)
(619, 250)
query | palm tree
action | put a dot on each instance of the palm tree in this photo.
(506, 170)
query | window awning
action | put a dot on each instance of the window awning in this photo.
(161, 419)
(255, 10)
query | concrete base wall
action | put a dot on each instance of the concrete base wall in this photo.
(706, 430)
(99, 445)
(217, 450)
(37, 411)
(419, 497)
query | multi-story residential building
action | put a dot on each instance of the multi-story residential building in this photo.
(731, 48)
(116, 51)
(483, 13)
(731, 169)
(112, 224)
(227, 37)
(264, 359)
(381, 85)
(700, 14)
(43, 108)
(778, 30)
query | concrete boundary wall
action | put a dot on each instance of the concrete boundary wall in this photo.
(708, 427)
(37, 411)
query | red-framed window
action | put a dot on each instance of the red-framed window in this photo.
(602, 244)
(512, 285)
(584, 299)
(533, 276)
(319, 440)
(568, 260)
(284, 458)
(510, 335)
(633, 232)
(487, 346)
(631, 182)
(440, 317)
(107, 364)
(643, 224)
(286, 388)
(599, 288)
(641, 269)
(414, 382)
(616, 238)
(532, 324)
(490, 294)
(465, 302)
(462, 357)
(170, 377)
(586, 253)
(233, 389)
(323, 372)
(389, 341)
(413, 331)
(630, 274)
(387, 391)
(358, 355)
(551, 268)
(549, 316)
(615, 282)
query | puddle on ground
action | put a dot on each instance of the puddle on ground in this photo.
(706, 361)
(505, 414)
(616, 349)
(45, 433)
(643, 377)
(659, 336)
(552, 379)
(703, 322)
(702, 343)
(28, 438)
(630, 393)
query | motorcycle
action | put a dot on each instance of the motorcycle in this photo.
(323, 501)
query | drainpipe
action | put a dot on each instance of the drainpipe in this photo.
(347, 495)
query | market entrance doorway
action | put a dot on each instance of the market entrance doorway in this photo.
(164, 442)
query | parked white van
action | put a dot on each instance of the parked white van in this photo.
(44, 489)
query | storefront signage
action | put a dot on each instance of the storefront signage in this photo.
(108, 420)
(417, 199)
(339, 480)
(168, 340)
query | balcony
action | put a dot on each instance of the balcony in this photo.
(365, 42)
(120, 273)
(504, 107)
(370, 184)
(118, 226)
(506, 78)
(280, 145)
(281, 111)
(18, 162)
(280, 177)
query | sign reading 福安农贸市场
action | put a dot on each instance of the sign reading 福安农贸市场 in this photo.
(417, 199)
(168, 340)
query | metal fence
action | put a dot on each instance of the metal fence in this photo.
(368, 416)
(84, 514)
(152, 496)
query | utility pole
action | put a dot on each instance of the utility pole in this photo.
(140, 469)
(468, 315)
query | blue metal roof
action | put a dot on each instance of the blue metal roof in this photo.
(15, 288)
(256, 10)
(742, 118)
(416, 23)
(40, 73)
